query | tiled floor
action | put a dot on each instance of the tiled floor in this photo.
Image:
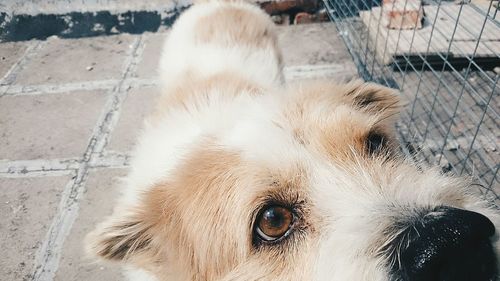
(70, 111)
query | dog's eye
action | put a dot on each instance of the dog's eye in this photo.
(273, 223)
(375, 142)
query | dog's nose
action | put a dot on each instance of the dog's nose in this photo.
(450, 244)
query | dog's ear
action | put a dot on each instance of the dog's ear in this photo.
(372, 98)
(121, 237)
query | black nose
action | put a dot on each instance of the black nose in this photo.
(450, 245)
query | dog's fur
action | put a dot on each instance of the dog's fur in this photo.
(229, 136)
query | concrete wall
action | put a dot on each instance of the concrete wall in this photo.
(38, 19)
(34, 7)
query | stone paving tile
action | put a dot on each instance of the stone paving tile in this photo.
(28, 206)
(48, 126)
(98, 202)
(71, 60)
(10, 53)
(312, 44)
(147, 67)
(138, 105)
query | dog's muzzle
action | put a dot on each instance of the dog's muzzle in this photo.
(449, 245)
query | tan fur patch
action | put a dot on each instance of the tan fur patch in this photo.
(337, 119)
(232, 26)
(165, 231)
(186, 210)
(193, 92)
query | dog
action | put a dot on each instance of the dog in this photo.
(241, 175)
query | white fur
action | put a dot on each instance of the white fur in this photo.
(135, 274)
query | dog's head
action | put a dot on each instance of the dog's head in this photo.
(308, 184)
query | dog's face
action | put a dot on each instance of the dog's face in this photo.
(308, 184)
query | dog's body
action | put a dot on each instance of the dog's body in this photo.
(231, 143)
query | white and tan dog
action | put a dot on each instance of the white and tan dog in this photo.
(239, 176)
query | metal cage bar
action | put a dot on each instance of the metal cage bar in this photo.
(447, 73)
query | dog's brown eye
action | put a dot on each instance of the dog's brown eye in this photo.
(375, 142)
(273, 223)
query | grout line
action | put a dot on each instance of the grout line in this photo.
(33, 90)
(319, 71)
(136, 59)
(47, 258)
(290, 72)
(22, 167)
(136, 83)
(48, 255)
(11, 75)
(41, 167)
(111, 160)
(115, 103)
(37, 174)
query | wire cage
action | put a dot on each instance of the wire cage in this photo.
(444, 57)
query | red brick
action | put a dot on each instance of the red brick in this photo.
(281, 6)
(403, 14)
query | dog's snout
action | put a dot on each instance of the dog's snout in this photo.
(450, 244)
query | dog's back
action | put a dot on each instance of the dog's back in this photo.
(218, 38)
